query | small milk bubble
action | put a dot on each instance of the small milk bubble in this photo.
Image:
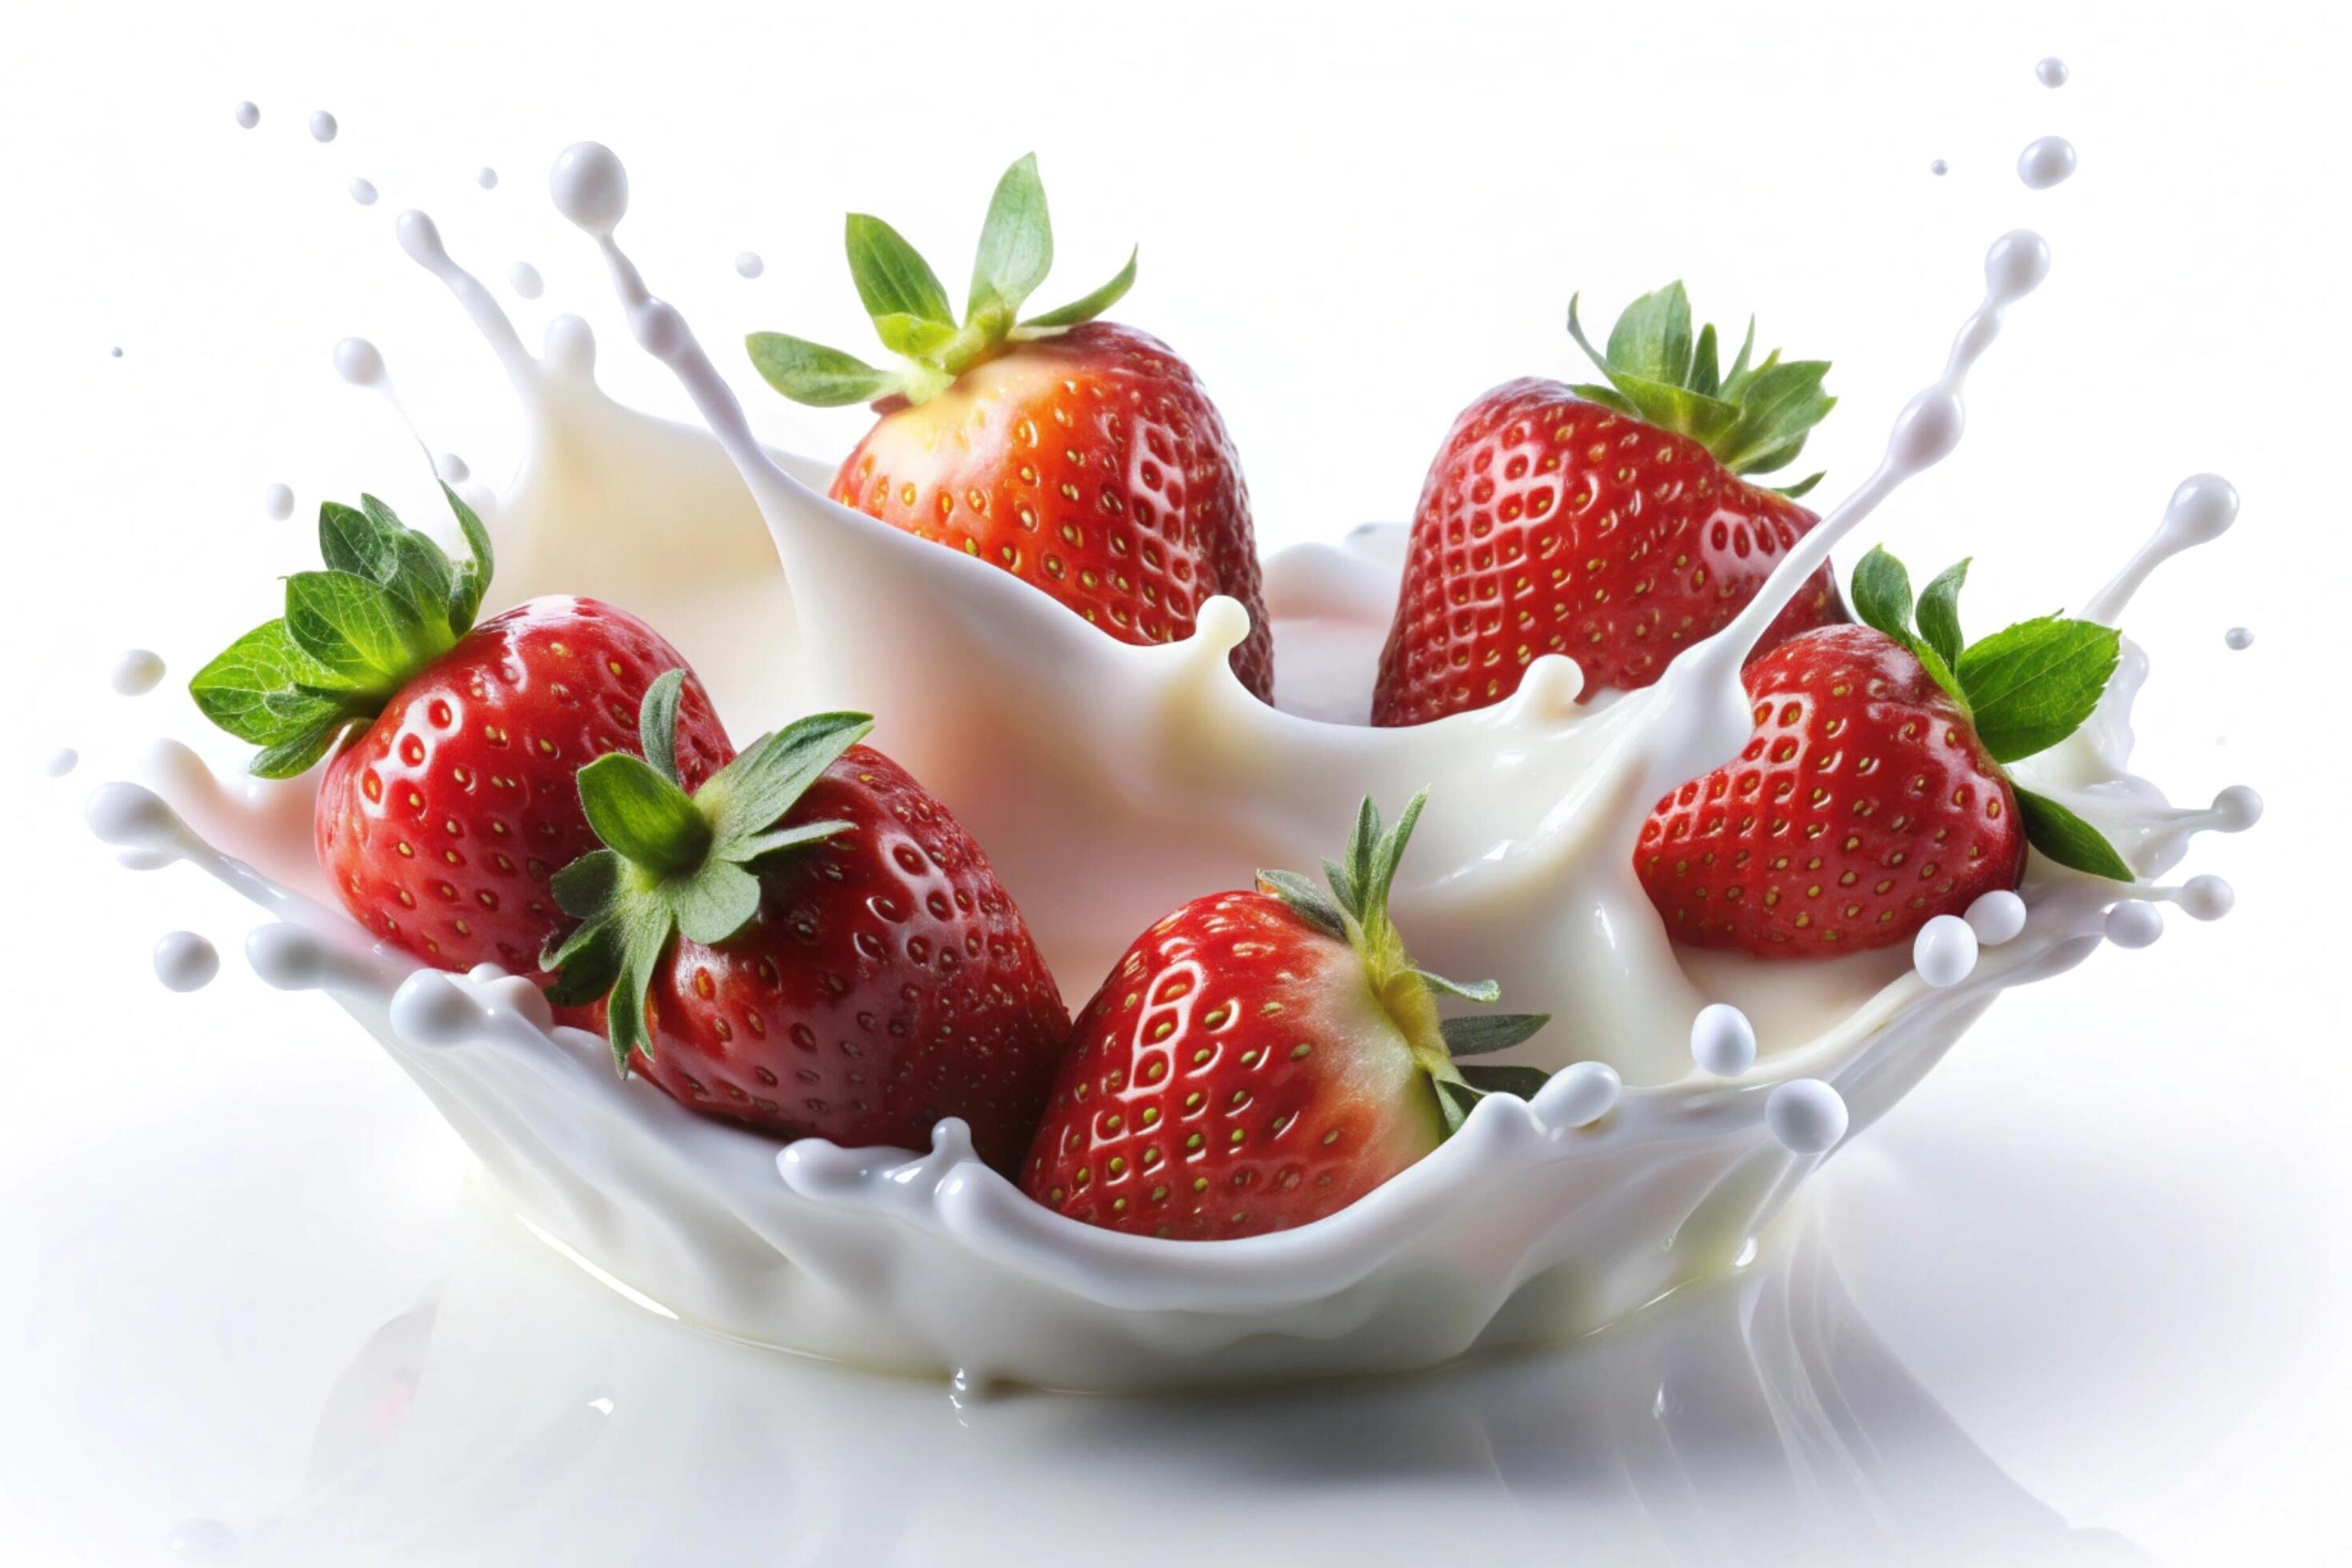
(2046, 162)
(114, 353)
(186, 962)
(61, 762)
(1997, 917)
(2207, 898)
(357, 362)
(2203, 507)
(136, 672)
(363, 192)
(590, 187)
(2237, 808)
(278, 503)
(1945, 951)
(2052, 71)
(486, 178)
(1806, 1115)
(2238, 639)
(747, 263)
(524, 280)
(1722, 1042)
(1939, 167)
(323, 127)
(2017, 264)
(248, 115)
(2135, 922)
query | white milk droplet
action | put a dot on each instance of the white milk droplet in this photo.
(453, 468)
(1806, 1115)
(323, 127)
(363, 192)
(2238, 639)
(248, 115)
(2135, 922)
(278, 502)
(1578, 1095)
(357, 362)
(2046, 162)
(1997, 917)
(114, 353)
(61, 762)
(524, 280)
(2236, 808)
(1945, 951)
(486, 178)
(1722, 1041)
(130, 816)
(2207, 898)
(1939, 167)
(186, 962)
(590, 187)
(136, 672)
(2052, 72)
(749, 264)
(430, 1010)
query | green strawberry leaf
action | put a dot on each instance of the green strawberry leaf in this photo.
(648, 819)
(2033, 684)
(1521, 1081)
(1468, 990)
(1939, 613)
(2066, 838)
(1882, 596)
(892, 276)
(1754, 419)
(913, 336)
(716, 904)
(471, 579)
(264, 689)
(1087, 306)
(1458, 1100)
(1308, 901)
(362, 633)
(1016, 245)
(1481, 1034)
(658, 723)
(816, 375)
(745, 798)
(297, 756)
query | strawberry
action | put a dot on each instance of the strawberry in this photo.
(1610, 523)
(1261, 1060)
(809, 943)
(1083, 457)
(450, 803)
(1873, 796)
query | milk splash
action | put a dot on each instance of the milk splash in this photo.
(1697, 1091)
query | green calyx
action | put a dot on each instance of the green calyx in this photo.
(675, 864)
(1753, 419)
(1356, 910)
(2024, 689)
(911, 313)
(389, 603)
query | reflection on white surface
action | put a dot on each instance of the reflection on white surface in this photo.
(518, 1414)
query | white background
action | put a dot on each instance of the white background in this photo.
(2115, 1228)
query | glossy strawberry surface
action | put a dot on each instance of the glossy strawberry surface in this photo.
(1549, 524)
(1864, 806)
(1092, 466)
(886, 981)
(1235, 1075)
(441, 823)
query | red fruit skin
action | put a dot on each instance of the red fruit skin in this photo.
(1091, 465)
(441, 824)
(888, 980)
(1549, 524)
(1863, 806)
(1234, 1075)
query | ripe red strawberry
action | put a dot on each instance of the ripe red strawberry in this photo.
(441, 821)
(810, 943)
(1083, 457)
(1610, 523)
(1873, 796)
(1261, 1060)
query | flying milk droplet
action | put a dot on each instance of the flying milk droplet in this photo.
(1945, 951)
(323, 127)
(747, 263)
(486, 178)
(2052, 71)
(590, 187)
(248, 115)
(2135, 922)
(136, 672)
(1939, 167)
(278, 503)
(2046, 162)
(1806, 1115)
(357, 362)
(1722, 1040)
(186, 962)
(524, 280)
(2237, 639)
(363, 192)
(1997, 917)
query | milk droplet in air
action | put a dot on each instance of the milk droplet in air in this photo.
(2046, 162)
(524, 280)
(61, 762)
(2207, 898)
(357, 362)
(2135, 922)
(323, 127)
(486, 178)
(747, 263)
(1722, 1042)
(136, 672)
(1945, 951)
(453, 468)
(278, 503)
(2052, 72)
(114, 353)
(186, 962)
(1806, 1115)
(2238, 639)
(363, 192)
(1997, 917)
(1939, 167)
(590, 187)
(248, 115)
